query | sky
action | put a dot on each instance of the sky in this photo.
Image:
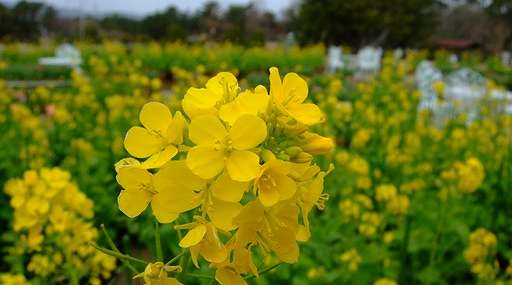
(143, 7)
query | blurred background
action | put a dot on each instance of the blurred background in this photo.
(457, 24)
(417, 96)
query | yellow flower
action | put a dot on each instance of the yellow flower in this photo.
(247, 102)
(159, 136)
(239, 262)
(289, 96)
(273, 228)
(173, 190)
(216, 148)
(156, 274)
(385, 281)
(385, 192)
(204, 101)
(312, 195)
(13, 279)
(352, 258)
(273, 184)
(228, 276)
(203, 239)
(438, 87)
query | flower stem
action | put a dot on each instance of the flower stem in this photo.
(184, 263)
(158, 242)
(121, 256)
(174, 259)
(264, 271)
(114, 248)
(204, 276)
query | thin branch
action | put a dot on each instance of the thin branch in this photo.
(114, 248)
(264, 271)
(116, 254)
(158, 242)
(174, 259)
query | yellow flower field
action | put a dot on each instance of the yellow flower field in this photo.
(173, 164)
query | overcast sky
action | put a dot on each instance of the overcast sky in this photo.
(143, 7)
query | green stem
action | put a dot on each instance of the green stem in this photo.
(118, 255)
(404, 273)
(158, 242)
(199, 275)
(183, 263)
(114, 248)
(438, 236)
(264, 271)
(174, 259)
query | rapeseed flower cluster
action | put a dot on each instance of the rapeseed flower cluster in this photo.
(481, 254)
(53, 229)
(240, 161)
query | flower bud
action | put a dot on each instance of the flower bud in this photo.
(317, 144)
(293, 151)
(267, 155)
(303, 157)
(283, 156)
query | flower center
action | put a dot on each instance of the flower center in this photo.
(147, 187)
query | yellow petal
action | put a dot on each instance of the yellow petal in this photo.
(193, 237)
(205, 161)
(175, 130)
(177, 172)
(160, 158)
(287, 187)
(212, 248)
(247, 102)
(133, 202)
(133, 177)
(248, 132)
(243, 165)
(200, 101)
(227, 276)
(161, 211)
(207, 130)
(303, 233)
(284, 227)
(140, 143)
(295, 88)
(254, 102)
(308, 114)
(251, 215)
(227, 189)
(155, 116)
(222, 213)
(231, 111)
(276, 86)
(268, 193)
(285, 245)
(178, 189)
(242, 260)
(224, 84)
(126, 162)
(312, 193)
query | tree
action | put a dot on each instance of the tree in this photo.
(390, 23)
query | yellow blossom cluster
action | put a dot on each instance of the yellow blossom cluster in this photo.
(352, 258)
(395, 203)
(52, 222)
(480, 254)
(240, 161)
(385, 281)
(13, 279)
(463, 177)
